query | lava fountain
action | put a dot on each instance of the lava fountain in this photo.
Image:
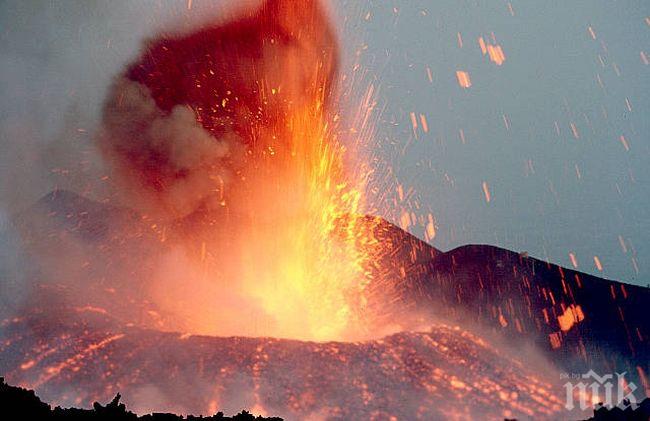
(236, 125)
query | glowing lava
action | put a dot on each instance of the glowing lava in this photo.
(444, 373)
(302, 261)
(233, 126)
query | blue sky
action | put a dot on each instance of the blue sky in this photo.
(550, 194)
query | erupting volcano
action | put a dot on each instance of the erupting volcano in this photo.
(235, 267)
(231, 128)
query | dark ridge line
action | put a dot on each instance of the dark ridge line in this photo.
(640, 413)
(17, 401)
(20, 403)
(71, 198)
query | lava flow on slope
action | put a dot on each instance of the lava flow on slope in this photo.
(443, 373)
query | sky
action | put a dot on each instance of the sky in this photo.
(552, 192)
(556, 134)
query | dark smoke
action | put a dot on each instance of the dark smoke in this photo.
(168, 156)
(182, 121)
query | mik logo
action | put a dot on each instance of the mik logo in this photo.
(599, 387)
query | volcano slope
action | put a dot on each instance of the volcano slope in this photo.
(81, 335)
(445, 373)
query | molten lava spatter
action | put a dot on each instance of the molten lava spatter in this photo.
(444, 373)
(236, 122)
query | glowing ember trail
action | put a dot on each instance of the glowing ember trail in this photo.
(312, 282)
(463, 79)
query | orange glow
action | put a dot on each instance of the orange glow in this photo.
(429, 75)
(457, 384)
(591, 32)
(463, 79)
(279, 247)
(624, 143)
(27, 365)
(493, 51)
(496, 54)
(313, 286)
(486, 191)
(481, 44)
(425, 124)
(414, 123)
(572, 315)
(599, 265)
(555, 339)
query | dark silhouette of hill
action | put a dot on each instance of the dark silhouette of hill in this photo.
(606, 323)
(640, 413)
(19, 403)
(16, 402)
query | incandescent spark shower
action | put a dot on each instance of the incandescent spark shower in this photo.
(242, 227)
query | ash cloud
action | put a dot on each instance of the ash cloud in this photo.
(75, 127)
(58, 62)
(166, 163)
(180, 120)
